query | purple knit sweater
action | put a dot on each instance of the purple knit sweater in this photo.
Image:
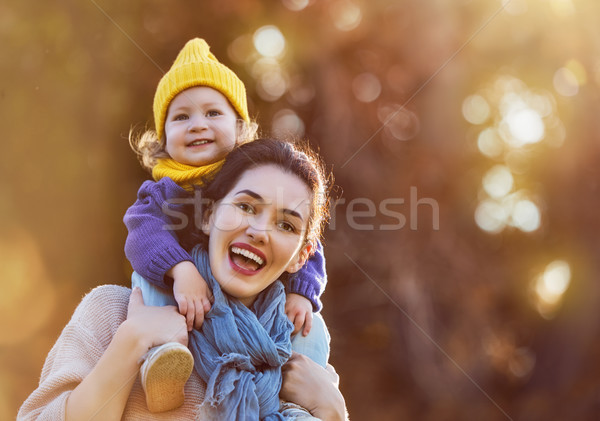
(153, 250)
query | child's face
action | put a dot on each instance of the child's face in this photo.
(201, 126)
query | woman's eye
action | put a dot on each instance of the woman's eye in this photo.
(245, 207)
(286, 226)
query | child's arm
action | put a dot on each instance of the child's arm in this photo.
(154, 251)
(304, 289)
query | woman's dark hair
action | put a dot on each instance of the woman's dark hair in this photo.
(295, 159)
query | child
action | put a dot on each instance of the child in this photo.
(200, 114)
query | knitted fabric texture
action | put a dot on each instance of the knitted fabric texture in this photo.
(186, 176)
(239, 351)
(197, 66)
(76, 352)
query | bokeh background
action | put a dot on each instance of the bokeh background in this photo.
(464, 137)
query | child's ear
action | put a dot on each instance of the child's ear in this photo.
(300, 259)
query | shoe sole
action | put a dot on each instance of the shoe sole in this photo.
(164, 375)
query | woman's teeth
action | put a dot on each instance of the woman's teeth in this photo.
(248, 254)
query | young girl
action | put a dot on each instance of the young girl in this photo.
(201, 114)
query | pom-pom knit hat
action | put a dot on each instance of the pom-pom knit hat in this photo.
(195, 65)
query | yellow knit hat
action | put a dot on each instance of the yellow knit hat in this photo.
(197, 66)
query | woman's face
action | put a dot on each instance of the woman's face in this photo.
(257, 231)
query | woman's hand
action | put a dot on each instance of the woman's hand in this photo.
(313, 387)
(154, 326)
(104, 392)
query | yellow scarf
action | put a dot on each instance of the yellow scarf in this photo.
(186, 176)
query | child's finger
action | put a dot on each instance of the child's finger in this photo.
(307, 324)
(298, 322)
(199, 319)
(182, 305)
(206, 305)
(189, 316)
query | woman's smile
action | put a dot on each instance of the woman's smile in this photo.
(258, 230)
(246, 259)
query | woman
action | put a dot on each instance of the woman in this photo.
(268, 199)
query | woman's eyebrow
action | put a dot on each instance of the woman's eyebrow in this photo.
(293, 213)
(251, 194)
(259, 197)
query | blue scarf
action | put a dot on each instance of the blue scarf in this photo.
(239, 351)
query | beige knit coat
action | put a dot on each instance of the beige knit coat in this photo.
(78, 349)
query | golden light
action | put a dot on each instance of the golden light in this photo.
(526, 216)
(562, 8)
(269, 41)
(286, 123)
(300, 92)
(366, 87)
(491, 216)
(597, 72)
(271, 85)
(400, 123)
(264, 65)
(489, 143)
(524, 124)
(578, 71)
(543, 102)
(475, 109)
(515, 7)
(27, 287)
(346, 15)
(498, 181)
(550, 287)
(522, 362)
(295, 5)
(565, 82)
(240, 49)
(518, 160)
(271, 82)
(520, 117)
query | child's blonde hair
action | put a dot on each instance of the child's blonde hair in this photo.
(195, 65)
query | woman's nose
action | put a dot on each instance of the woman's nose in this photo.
(258, 230)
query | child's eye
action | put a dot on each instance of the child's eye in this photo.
(286, 226)
(245, 207)
(213, 113)
(179, 117)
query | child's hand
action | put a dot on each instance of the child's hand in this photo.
(191, 292)
(299, 311)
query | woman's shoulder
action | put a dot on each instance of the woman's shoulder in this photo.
(104, 307)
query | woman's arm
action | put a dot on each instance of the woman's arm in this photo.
(104, 392)
(313, 387)
(89, 372)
